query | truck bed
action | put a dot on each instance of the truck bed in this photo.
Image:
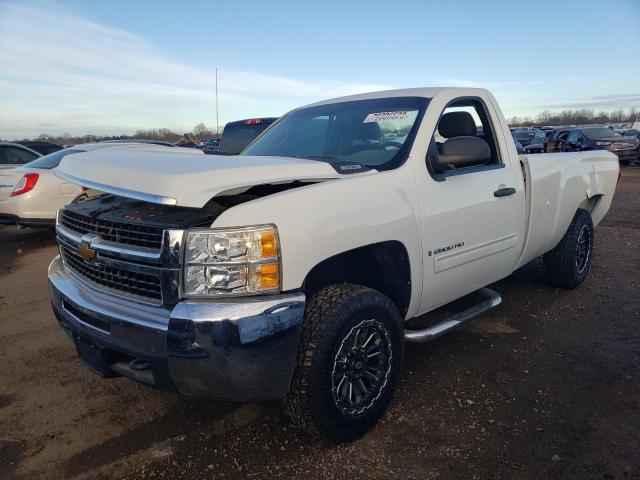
(549, 188)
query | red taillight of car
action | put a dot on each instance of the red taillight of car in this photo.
(254, 121)
(25, 184)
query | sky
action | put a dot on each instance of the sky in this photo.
(82, 67)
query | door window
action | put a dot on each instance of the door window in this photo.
(468, 118)
(574, 138)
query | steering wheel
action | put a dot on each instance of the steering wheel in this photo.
(390, 144)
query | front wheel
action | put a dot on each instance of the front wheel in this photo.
(567, 265)
(348, 362)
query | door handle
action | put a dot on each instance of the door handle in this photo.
(504, 192)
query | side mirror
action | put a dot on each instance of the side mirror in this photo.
(462, 152)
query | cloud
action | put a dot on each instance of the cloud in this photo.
(517, 97)
(75, 75)
(489, 84)
(600, 102)
(61, 72)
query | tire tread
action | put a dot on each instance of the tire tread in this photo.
(559, 263)
(299, 403)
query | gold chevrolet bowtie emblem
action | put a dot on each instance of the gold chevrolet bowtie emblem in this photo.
(86, 252)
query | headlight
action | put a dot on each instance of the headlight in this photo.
(237, 261)
(602, 144)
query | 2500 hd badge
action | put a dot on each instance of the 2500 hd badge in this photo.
(446, 249)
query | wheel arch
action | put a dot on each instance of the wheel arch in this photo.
(382, 266)
(590, 204)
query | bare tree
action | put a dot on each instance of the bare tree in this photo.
(201, 131)
(543, 117)
(583, 116)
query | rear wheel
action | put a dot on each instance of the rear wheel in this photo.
(567, 265)
(348, 362)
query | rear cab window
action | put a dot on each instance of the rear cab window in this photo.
(237, 135)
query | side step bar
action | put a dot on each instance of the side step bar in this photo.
(492, 300)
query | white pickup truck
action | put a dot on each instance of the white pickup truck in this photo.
(288, 272)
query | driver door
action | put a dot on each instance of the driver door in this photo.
(471, 217)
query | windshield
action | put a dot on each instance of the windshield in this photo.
(598, 133)
(373, 133)
(53, 159)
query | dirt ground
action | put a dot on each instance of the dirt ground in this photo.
(546, 386)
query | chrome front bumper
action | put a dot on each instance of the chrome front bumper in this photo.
(236, 349)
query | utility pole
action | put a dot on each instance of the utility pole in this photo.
(217, 123)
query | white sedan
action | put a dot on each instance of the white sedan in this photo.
(31, 195)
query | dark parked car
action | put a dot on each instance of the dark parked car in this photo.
(527, 136)
(15, 155)
(519, 147)
(531, 139)
(43, 148)
(212, 143)
(237, 135)
(578, 139)
(550, 141)
(634, 133)
(537, 146)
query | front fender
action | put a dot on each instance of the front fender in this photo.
(319, 221)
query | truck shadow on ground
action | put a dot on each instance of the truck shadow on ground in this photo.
(188, 416)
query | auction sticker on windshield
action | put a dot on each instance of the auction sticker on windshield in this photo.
(382, 116)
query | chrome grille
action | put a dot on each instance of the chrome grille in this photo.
(118, 232)
(127, 281)
(622, 146)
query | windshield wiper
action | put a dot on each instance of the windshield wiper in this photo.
(317, 157)
(340, 165)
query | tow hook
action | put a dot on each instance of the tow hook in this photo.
(138, 364)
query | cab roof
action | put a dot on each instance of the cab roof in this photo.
(425, 92)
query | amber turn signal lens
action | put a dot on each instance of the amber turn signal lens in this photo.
(269, 275)
(269, 246)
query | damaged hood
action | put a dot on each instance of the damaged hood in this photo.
(184, 179)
